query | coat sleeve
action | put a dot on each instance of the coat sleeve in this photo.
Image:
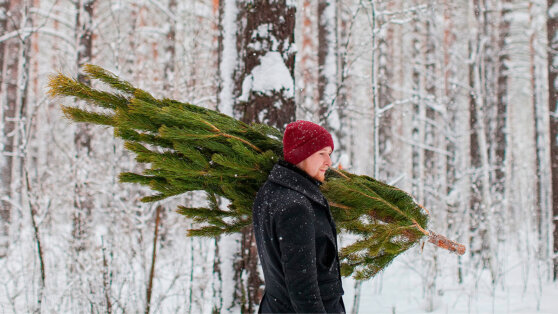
(295, 232)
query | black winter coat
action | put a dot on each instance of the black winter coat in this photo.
(297, 244)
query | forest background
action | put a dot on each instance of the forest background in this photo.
(452, 101)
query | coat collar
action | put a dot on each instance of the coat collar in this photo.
(290, 177)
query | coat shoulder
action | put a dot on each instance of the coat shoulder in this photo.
(275, 197)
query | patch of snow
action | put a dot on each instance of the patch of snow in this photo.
(271, 75)
(553, 10)
(262, 31)
(261, 115)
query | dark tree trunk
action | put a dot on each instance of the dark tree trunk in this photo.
(276, 108)
(501, 100)
(476, 79)
(264, 37)
(552, 29)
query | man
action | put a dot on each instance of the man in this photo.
(295, 233)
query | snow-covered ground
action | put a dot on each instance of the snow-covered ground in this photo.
(399, 289)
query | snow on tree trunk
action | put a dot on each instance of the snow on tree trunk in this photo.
(257, 70)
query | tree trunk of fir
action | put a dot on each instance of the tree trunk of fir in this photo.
(552, 32)
(14, 79)
(256, 37)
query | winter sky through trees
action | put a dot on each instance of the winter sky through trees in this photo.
(454, 102)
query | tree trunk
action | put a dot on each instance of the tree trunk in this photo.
(83, 200)
(306, 81)
(170, 52)
(327, 67)
(501, 140)
(14, 82)
(265, 38)
(482, 86)
(267, 24)
(538, 84)
(4, 7)
(82, 138)
(344, 21)
(552, 32)
(257, 37)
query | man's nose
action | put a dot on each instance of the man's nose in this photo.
(328, 161)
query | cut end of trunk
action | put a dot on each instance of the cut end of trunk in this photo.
(445, 243)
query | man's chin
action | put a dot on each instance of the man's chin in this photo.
(320, 177)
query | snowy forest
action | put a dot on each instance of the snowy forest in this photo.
(455, 102)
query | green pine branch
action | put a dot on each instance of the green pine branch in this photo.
(190, 148)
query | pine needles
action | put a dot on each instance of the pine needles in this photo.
(189, 148)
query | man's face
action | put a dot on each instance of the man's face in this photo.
(316, 164)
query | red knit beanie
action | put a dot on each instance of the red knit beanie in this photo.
(302, 139)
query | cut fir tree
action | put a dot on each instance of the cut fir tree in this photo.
(190, 148)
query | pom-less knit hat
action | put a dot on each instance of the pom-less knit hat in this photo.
(302, 139)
